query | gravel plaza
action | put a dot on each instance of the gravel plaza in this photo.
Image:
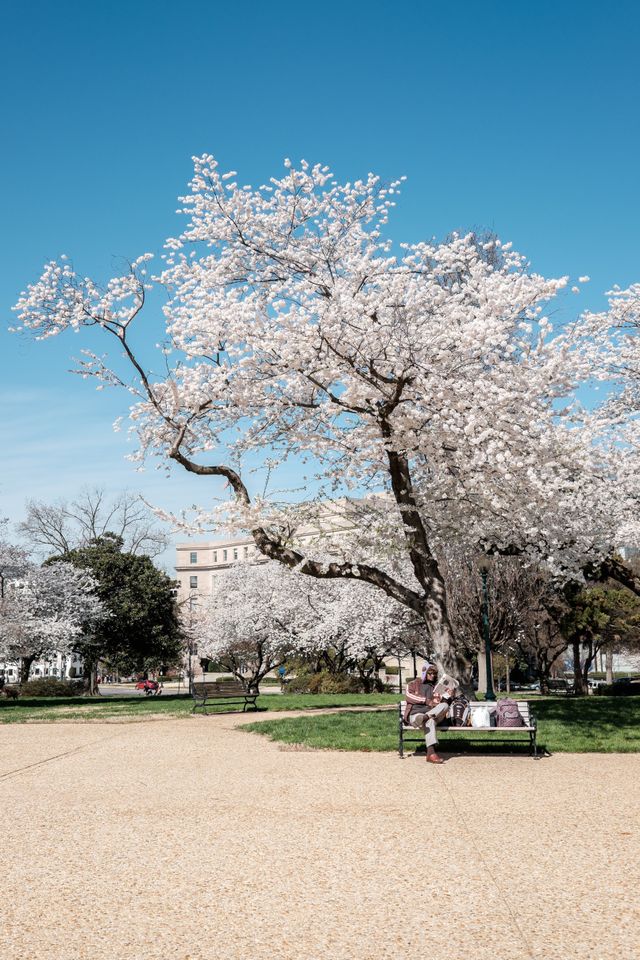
(191, 839)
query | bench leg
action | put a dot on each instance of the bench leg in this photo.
(534, 744)
(400, 740)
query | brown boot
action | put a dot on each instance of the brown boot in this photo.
(434, 758)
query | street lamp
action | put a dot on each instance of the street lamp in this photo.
(483, 566)
(191, 645)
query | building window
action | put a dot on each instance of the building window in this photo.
(193, 583)
(246, 552)
(193, 557)
(224, 555)
(215, 556)
(235, 554)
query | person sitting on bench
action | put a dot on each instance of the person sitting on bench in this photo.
(426, 708)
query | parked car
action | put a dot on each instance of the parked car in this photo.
(625, 687)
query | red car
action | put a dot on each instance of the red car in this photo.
(150, 687)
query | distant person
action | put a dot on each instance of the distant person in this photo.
(425, 708)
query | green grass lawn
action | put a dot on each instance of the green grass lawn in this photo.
(568, 725)
(138, 707)
(600, 724)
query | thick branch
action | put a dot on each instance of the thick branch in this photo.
(424, 566)
(271, 547)
(614, 568)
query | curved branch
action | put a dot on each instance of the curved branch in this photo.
(613, 568)
(271, 547)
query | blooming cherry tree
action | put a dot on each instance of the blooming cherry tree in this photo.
(253, 621)
(262, 614)
(428, 372)
(44, 610)
(355, 627)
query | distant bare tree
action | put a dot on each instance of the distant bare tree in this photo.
(72, 525)
(525, 607)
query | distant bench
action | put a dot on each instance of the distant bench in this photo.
(505, 734)
(209, 692)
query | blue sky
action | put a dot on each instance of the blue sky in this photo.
(521, 117)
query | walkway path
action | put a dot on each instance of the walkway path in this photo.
(193, 840)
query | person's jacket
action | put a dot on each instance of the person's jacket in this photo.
(417, 694)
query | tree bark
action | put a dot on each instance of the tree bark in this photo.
(578, 682)
(590, 656)
(90, 687)
(25, 668)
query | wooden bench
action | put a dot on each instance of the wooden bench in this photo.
(526, 733)
(221, 691)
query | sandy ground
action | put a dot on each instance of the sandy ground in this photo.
(192, 839)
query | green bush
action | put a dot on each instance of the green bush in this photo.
(51, 687)
(10, 693)
(323, 682)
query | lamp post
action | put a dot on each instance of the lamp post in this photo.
(483, 565)
(191, 645)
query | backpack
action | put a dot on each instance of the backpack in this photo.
(508, 715)
(459, 712)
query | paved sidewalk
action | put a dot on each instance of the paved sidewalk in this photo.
(193, 840)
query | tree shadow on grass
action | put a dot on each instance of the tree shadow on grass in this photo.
(595, 714)
(84, 703)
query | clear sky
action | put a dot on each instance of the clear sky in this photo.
(521, 117)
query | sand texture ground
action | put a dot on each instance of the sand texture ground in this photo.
(193, 840)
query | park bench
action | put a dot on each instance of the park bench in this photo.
(209, 692)
(526, 733)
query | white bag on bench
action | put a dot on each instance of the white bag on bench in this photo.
(481, 717)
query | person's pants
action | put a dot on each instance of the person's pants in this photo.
(428, 719)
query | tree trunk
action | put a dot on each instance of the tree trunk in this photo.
(25, 668)
(440, 633)
(90, 687)
(578, 682)
(586, 667)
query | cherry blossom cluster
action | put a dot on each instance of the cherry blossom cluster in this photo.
(44, 609)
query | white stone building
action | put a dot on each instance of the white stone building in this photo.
(63, 666)
(197, 563)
